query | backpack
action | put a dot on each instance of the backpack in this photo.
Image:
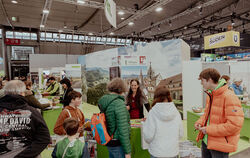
(99, 128)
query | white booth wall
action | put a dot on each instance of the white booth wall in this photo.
(47, 61)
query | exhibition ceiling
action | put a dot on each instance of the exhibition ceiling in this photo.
(135, 18)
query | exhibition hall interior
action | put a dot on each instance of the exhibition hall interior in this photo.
(125, 78)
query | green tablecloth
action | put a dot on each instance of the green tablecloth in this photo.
(50, 117)
(191, 132)
(135, 140)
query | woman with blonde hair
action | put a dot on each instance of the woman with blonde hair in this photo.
(163, 127)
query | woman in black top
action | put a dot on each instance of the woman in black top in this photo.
(65, 100)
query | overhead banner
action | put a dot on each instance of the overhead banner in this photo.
(225, 39)
(110, 11)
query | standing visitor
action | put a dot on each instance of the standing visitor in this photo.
(236, 86)
(117, 118)
(219, 127)
(71, 146)
(65, 100)
(70, 111)
(163, 127)
(136, 99)
(24, 132)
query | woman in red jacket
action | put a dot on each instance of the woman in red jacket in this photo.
(135, 100)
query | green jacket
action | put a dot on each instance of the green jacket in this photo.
(118, 118)
(53, 88)
(74, 150)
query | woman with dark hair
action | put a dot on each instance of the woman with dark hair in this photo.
(163, 127)
(136, 99)
(67, 88)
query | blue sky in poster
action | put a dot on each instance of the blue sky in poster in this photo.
(81, 60)
(133, 71)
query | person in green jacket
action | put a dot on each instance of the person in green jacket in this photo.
(117, 118)
(53, 88)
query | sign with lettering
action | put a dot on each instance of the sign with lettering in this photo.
(225, 39)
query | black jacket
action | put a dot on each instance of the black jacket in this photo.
(21, 127)
(65, 100)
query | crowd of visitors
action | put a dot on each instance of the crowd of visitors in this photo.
(24, 133)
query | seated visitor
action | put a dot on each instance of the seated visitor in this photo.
(53, 88)
(71, 146)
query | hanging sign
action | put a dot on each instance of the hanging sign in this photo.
(225, 39)
(9, 41)
(110, 11)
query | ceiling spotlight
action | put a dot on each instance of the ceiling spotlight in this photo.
(185, 27)
(199, 7)
(170, 23)
(60, 31)
(233, 23)
(65, 26)
(200, 13)
(91, 34)
(111, 33)
(15, 2)
(42, 26)
(130, 23)
(121, 13)
(159, 27)
(13, 18)
(46, 11)
(80, 1)
(158, 9)
(122, 18)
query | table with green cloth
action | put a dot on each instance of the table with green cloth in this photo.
(50, 116)
(135, 140)
(245, 131)
(191, 132)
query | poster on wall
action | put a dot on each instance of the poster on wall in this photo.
(73, 73)
(152, 63)
(114, 72)
(1, 67)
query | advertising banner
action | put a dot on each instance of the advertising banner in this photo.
(225, 39)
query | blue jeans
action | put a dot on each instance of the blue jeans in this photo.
(116, 152)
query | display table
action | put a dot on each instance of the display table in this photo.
(50, 117)
(245, 131)
(135, 140)
(191, 132)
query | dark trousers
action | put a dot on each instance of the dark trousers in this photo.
(207, 153)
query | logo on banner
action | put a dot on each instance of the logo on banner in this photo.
(235, 37)
(216, 39)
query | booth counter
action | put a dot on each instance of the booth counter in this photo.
(136, 146)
